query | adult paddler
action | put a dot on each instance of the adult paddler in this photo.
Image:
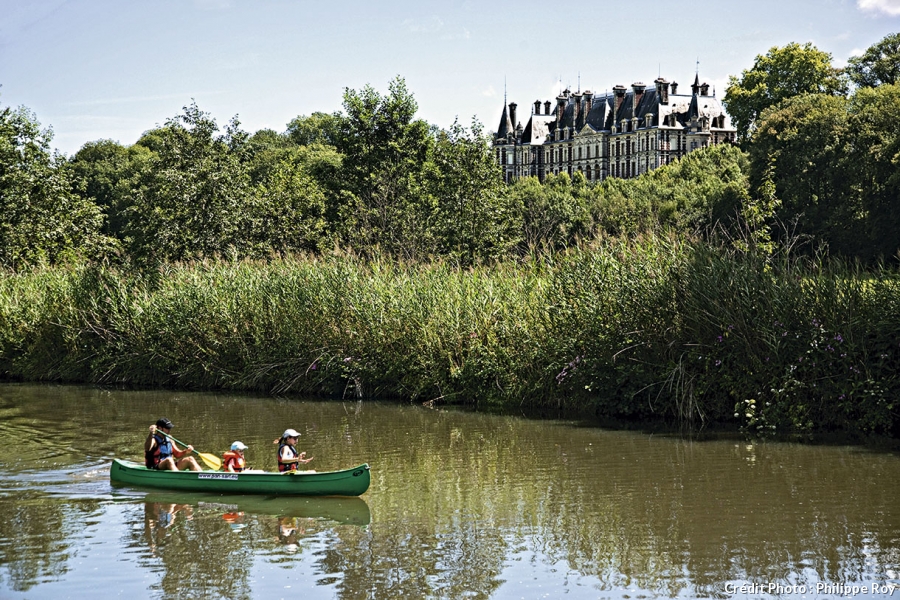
(162, 453)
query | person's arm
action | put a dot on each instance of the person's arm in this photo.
(179, 452)
(150, 441)
(302, 458)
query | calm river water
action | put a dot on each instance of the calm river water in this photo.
(461, 505)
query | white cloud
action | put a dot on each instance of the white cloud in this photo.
(888, 7)
(857, 52)
(431, 25)
(464, 35)
(490, 92)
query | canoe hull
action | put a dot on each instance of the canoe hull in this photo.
(349, 482)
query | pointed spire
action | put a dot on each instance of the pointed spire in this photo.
(505, 126)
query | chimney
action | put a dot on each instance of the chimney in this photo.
(674, 88)
(512, 113)
(560, 106)
(638, 88)
(537, 107)
(619, 91)
(577, 96)
(588, 102)
(662, 90)
(547, 107)
(704, 89)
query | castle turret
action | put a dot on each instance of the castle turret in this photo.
(505, 127)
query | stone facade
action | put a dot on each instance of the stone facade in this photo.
(620, 134)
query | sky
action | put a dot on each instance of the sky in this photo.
(112, 69)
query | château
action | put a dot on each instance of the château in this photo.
(620, 134)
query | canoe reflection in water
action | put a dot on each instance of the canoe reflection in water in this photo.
(159, 517)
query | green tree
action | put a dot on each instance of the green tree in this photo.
(800, 146)
(263, 151)
(385, 152)
(555, 213)
(192, 202)
(289, 208)
(782, 73)
(106, 172)
(872, 161)
(317, 128)
(476, 216)
(878, 65)
(696, 193)
(42, 220)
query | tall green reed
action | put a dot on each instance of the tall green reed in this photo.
(642, 329)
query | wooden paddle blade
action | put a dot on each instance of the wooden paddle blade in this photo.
(212, 461)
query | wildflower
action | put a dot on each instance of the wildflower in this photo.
(838, 338)
(719, 339)
(718, 362)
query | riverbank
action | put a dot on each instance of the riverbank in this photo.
(646, 330)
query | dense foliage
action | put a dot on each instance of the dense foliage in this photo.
(367, 252)
(782, 73)
(653, 328)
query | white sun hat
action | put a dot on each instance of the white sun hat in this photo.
(238, 446)
(290, 433)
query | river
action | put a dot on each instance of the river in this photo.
(462, 505)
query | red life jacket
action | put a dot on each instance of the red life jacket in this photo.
(283, 467)
(234, 459)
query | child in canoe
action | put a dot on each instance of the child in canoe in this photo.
(233, 460)
(288, 457)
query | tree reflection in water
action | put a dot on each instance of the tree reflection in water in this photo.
(467, 505)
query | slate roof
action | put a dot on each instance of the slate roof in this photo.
(505, 124)
(604, 114)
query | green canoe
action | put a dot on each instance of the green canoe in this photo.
(350, 482)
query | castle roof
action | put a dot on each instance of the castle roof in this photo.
(505, 124)
(602, 112)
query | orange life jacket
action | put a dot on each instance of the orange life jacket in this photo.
(234, 459)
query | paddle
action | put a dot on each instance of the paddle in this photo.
(212, 461)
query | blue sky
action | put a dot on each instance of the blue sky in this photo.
(95, 69)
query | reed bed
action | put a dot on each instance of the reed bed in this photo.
(654, 328)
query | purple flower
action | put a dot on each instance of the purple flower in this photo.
(719, 339)
(718, 362)
(838, 338)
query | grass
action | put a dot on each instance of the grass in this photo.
(647, 329)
